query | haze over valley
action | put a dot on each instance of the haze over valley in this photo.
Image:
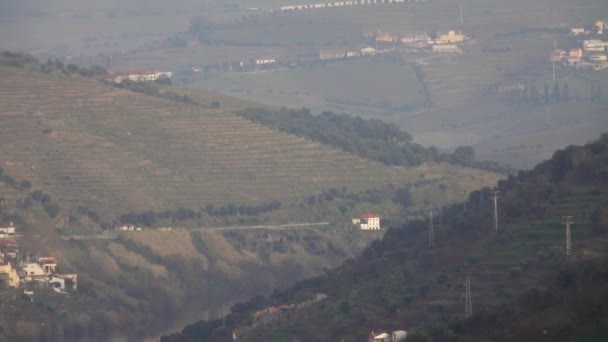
(273, 170)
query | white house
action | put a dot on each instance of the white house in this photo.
(63, 283)
(138, 76)
(368, 221)
(33, 271)
(6, 232)
(446, 48)
(379, 337)
(398, 335)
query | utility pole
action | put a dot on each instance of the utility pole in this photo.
(468, 309)
(554, 49)
(431, 230)
(461, 13)
(567, 220)
(495, 197)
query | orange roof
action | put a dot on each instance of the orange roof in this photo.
(368, 216)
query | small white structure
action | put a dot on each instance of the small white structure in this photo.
(34, 272)
(48, 264)
(445, 48)
(379, 337)
(368, 221)
(398, 335)
(265, 61)
(575, 31)
(368, 51)
(138, 76)
(6, 232)
(63, 283)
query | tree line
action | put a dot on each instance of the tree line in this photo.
(150, 217)
(48, 204)
(372, 139)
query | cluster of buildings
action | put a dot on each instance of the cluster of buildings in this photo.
(592, 52)
(129, 228)
(599, 28)
(336, 4)
(15, 272)
(382, 336)
(138, 76)
(367, 221)
(445, 42)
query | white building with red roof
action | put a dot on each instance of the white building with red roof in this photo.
(368, 221)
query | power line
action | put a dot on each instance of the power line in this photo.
(567, 220)
(431, 230)
(468, 309)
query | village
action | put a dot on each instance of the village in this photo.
(376, 43)
(591, 53)
(18, 271)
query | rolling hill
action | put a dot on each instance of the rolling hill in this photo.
(89, 144)
(99, 151)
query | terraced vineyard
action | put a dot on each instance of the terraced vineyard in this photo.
(113, 150)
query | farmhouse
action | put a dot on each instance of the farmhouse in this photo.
(138, 76)
(445, 48)
(450, 37)
(368, 221)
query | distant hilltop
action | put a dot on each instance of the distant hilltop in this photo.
(337, 4)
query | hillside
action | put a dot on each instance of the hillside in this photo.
(401, 283)
(108, 149)
(78, 154)
(154, 280)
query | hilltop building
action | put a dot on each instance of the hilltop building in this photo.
(7, 232)
(385, 37)
(138, 76)
(450, 37)
(382, 336)
(367, 221)
(601, 25)
(576, 31)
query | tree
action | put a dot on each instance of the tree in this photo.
(345, 307)
(464, 153)
(25, 185)
(556, 92)
(404, 197)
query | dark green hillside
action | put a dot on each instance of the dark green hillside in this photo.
(400, 283)
(572, 307)
(371, 139)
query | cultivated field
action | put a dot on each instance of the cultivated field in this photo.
(115, 151)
